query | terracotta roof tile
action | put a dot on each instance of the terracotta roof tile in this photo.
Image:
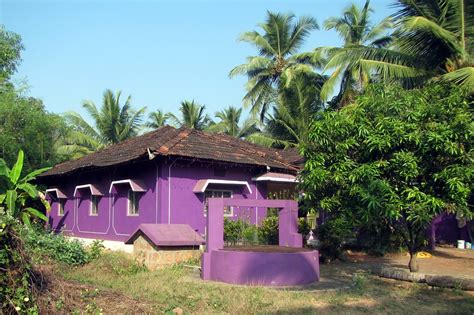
(169, 141)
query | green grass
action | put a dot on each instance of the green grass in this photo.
(350, 292)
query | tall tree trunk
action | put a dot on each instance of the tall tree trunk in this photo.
(413, 264)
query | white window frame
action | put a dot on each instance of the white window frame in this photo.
(136, 202)
(231, 214)
(94, 204)
(61, 205)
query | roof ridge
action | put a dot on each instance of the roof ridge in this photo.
(167, 146)
(253, 148)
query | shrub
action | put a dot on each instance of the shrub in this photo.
(17, 276)
(240, 232)
(303, 226)
(332, 235)
(378, 239)
(268, 230)
(233, 231)
(250, 235)
(18, 279)
(57, 247)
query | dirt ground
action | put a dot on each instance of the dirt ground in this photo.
(443, 261)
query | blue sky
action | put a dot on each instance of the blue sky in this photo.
(160, 52)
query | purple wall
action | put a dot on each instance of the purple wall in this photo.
(262, 268)
(169, 190)
(112, 221)
(188, 207)
(446, 230)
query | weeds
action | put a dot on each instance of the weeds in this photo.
(337, 299)
(359, 282)
(95, 249)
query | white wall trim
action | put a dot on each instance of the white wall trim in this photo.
(130, 182)
(274, 179)
(224, 182)
(90, 186)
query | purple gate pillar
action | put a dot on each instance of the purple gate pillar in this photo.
(214, 233)
(288, 226)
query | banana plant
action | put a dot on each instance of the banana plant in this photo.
(17, 191)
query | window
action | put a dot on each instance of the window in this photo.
(228, 211)
(133, 202)
(94, 205)
(61, 203)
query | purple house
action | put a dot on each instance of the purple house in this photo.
(164, 176)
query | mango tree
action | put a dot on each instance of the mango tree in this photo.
(395, 156)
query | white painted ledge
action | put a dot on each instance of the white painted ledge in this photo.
(112, 245)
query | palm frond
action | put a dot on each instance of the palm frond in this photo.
(416, 23)
(330, 85)
(259, 41)
(463, 77)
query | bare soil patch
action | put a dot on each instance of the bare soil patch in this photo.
(444, 262)
(60, 296)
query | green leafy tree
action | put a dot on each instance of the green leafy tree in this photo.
(157, 119)
(113, 123)
(229, 123)
(192, 116)
(26, 125)
(10, 53)
(433, 40)
(394, 156)
(277, 45)
(356, 30)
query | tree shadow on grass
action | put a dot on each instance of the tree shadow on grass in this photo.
(388, 297)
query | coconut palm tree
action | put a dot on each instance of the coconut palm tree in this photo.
(356, 30)
(432, 41)
(113, 122)
(277, 45)
(229, 123)
(157, 119)
(298, 105)
(192, 116)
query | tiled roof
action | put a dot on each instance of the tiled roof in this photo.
(168, 235)
(184, 142)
